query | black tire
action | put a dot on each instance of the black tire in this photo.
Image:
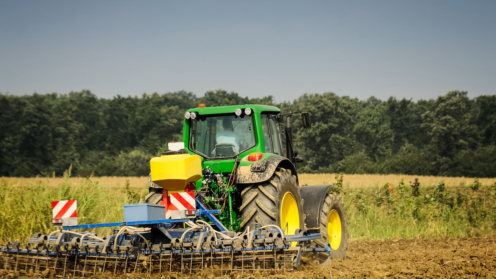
(262, 201)
(155, 192)
(333, 202)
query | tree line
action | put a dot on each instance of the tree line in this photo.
(452, 135)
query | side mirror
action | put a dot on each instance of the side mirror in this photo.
(305, 119)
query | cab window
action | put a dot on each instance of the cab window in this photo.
(271, 134)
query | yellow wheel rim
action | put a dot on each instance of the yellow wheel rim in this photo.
(289, 215)
(334, 229)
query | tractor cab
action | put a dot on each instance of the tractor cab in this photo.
(220, 133)
(226, 133)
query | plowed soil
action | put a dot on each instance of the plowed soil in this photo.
(391, 258)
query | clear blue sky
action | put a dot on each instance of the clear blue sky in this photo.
(412, 49)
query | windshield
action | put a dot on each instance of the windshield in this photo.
(221, 136)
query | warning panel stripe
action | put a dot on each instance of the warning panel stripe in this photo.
(189, 197)
(64, 209)
(183, 202)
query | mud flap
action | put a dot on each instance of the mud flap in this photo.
(313, 198)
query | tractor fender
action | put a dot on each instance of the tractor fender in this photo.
(313, 200)
(263, 170)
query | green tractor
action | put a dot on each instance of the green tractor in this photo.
(250, 178)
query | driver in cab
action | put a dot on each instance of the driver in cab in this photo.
(228, 135)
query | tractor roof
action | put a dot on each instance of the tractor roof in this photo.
(230, 109)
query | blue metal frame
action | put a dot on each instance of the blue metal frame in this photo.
(210, 216)
(120, 224)
(203, 211)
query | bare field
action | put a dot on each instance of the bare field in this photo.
(350, 180)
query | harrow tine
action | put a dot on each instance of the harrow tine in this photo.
(253, 261)
(264, 258)
(127, 257)
(75, 265)
(182, 263)
(115, 265)
(160, 263)
(65, 264)
(96, 260)
(85, 259)
(47, 257)
(55, 263)
(105, 262)
(36, 261)
(17, 257)
(26, 265)
(191, 262)
(136, 263)
(150, 269)
(284, 260)
(275, 257)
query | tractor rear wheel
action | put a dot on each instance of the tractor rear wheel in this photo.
(155, 192)
(273, 202)
(334, 226)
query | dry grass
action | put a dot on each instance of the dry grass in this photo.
(350, 180)
(371, 180)
(108, 181)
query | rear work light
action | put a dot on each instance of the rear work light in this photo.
(190, 212)
(254, 157)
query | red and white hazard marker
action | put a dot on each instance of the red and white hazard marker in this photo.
(64, 209)
(182, 201)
